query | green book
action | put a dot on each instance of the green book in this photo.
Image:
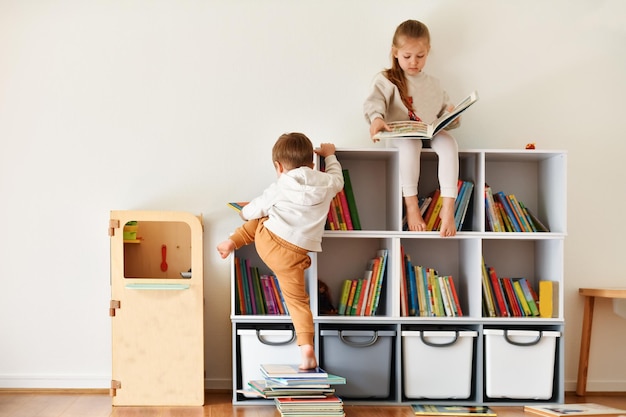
(354, 213)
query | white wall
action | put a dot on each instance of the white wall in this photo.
(155, 104)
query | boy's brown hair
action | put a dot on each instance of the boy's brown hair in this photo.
(293, 150)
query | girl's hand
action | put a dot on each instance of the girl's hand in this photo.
(376, 126)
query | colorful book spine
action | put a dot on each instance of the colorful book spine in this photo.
(499, 294)
(356, 298)
(354, 212)
(521, 298)
(431, 208)
(548, 299)
(455, 297)
(343, 299)
(382, 255)
(404, 301)
(509, 211)
(345, 210)
(412, 285)
(526, 227)
(528, 295)
(488, 297)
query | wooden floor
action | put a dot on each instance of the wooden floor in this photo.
(79, 404)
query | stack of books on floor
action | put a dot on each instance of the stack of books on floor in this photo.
(300, 393)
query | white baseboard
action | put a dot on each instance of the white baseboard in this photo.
(21, 381)
(55, 381)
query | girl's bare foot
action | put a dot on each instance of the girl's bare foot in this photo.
(413, 215)
(308, 357)
(448, 225)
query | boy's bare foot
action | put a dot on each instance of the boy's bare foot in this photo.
(413, 215)
(448, 225)
(308, 357)
(225, 248)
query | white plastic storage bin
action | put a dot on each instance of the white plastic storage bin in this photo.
(363, 358)
(520, 363)
(438, 363)
(259, 346)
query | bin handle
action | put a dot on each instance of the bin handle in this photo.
(357, 344)
(431, 344)
(513, 342)
(267, 342)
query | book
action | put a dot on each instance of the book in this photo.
(343, 299)
(535, 220)
(582, 409)
(349, 190)
(404, 286)
(382, 255)
(421, 130)
(464, 199)
(296, 407)
(273, 371)
(510, 214)
(411, 284)
(488, 297)
(498, 292)
(530, 297)
(517, 208)
(269, 389)
(455, 297)
(353, 285)
(451, 410)
(519, 292)
(492, 213)
(345, 210)
(237, 206)
(357, 296)
(433, 215)
(548, 299)
(296, 382)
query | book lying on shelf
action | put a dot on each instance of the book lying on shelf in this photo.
(451, 410)
(421, 130)
(273, 371)
(583, 409)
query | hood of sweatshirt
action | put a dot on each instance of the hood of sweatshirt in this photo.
(304, 186)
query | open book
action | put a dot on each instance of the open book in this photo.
(421, 130)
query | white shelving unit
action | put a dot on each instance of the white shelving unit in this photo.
(536, 177)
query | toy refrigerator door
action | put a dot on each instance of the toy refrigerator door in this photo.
(156, 308)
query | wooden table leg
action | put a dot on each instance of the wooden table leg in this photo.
(585, 343)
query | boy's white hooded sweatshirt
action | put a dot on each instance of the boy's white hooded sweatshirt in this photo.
(297, 204)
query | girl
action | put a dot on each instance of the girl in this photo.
(404, 92)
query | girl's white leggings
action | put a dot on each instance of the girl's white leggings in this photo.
(446, 148)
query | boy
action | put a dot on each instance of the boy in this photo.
(287, 221)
